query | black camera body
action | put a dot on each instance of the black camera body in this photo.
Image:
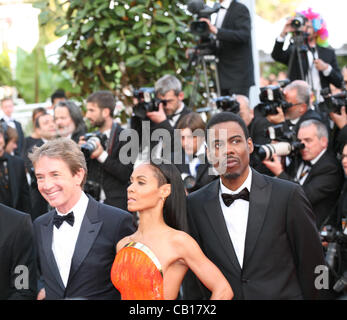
(332, 103)
(91, 143)
(271, 98)
(147, 102)
(287, 143)
(227, 103)
(298, 21)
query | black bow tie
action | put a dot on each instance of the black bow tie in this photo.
(230, 198)
(58, 220)
(307, 163)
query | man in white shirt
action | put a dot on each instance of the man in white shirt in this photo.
(318, 171)
(260, 231)
(76, 241)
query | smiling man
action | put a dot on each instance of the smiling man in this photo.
(76, 240)
(258, 230)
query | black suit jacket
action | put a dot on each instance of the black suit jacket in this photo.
(16, 250)
(102, 227)
(113, 175)
(326, 54)
(234, 52)
(282, 246)
(20, 141)
(20, 195)
(322, 185)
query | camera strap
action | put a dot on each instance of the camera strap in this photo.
(112, 138)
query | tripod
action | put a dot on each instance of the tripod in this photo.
(200, 59)
(299, 42)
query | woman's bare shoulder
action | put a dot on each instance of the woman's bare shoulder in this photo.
(121, 243)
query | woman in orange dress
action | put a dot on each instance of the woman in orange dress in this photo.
(152, 262)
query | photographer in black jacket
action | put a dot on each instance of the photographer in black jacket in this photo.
(108, 176)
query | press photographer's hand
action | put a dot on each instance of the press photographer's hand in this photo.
(157, 116)
(213, 29)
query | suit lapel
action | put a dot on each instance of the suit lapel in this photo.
(90, 228)
(12, 179)
(47, 238)
(216, 218)
(258, 203)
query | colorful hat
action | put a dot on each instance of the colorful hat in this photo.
(319, 26)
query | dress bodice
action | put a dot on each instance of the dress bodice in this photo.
(137, 273)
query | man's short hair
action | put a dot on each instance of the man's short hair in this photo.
(166, 84)
(192, 120)
(322, 130)
(58, 94)
(226, 117)
(104, 100)
(64, 149)
(303, 91)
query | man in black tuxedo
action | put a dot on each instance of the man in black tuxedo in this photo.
(14, 189)
(7, 107)
(232, 29)
(76, 242)
(17, 255)
(108, 174)
(319, 64)
(264, 239)
(318, 171)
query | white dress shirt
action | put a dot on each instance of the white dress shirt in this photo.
(220, 15)
(236, 217)
(193, 165)
(65, 238)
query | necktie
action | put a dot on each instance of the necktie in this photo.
(69, 218)
(230, 198)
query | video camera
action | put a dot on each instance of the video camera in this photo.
(91, 143)
(227, 103)
(271, 98)
(147, 102)
(332, 103)
(287, 143)
(298, 21)
(200, 28)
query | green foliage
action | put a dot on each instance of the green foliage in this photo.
(5, 69)
(116, 44)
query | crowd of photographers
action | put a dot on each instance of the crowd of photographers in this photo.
(299, 129)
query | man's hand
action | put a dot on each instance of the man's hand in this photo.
(320, 65)
(339, 119)
(42, 294)
(274, 165)
(213, 29)
(276, 118)
(157, 116)
(287, 27)
(97, 152)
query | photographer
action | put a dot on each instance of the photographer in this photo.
(318, 171)
(169, 109)
(108, 177)
(308, 57)
(192, 163)
(232, 29)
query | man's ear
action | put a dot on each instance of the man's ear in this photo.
(250, 145)
(181, 96)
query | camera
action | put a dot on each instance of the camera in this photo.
(90, 146)
(271, 98)
(298, 21)
(227, 103)
(147, 102)
(332, 103)
(287, 144)
(93, 189)
(335, 255)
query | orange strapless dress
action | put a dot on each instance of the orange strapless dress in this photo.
(137, 273)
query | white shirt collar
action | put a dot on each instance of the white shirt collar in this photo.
(315, 160)
(246, 184)
(226, 3)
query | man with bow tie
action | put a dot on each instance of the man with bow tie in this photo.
(75, 241)
(318, 171)
(259, 231)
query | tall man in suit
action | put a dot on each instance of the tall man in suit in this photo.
(318, 171)
(108, 175)
(17, 255)
(76, 242)
(317, 64)
(264, 239)
(232, 29)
